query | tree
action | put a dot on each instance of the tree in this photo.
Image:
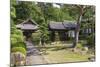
(82, 11)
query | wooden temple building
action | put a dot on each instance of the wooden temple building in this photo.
(28, 27)
(64, 30)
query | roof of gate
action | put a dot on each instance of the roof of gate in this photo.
(66, 25)
(28, 25)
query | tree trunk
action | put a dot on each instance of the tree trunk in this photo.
(78, 27)
(76, 38)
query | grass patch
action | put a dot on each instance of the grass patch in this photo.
(64, 55)
(60, 53)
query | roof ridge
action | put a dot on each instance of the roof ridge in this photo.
(63, 24)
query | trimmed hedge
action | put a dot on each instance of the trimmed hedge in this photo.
(19, 44)
(18, 38)
(13, 40)
(19, 49)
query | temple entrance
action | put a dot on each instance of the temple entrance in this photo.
(62, 31)
(28, 27)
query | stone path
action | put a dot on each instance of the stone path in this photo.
(33, 55)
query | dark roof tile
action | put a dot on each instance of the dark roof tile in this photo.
(61, 25)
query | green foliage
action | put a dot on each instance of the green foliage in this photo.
(16, 37)
(91, 40)
(80, 46)
(18, 44)
(13, 40)
(19, 49)
(19, 32)
(36, 37)
(13, 11)
(43, 13)
(65, 13)
(26, 10)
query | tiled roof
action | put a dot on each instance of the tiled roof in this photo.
(62, 26)
(28, 25)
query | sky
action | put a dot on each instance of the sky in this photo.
(55, 5)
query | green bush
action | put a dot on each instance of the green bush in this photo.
(36, 38)
(19, 38)
(79, 45)
(19, 49)
(19, 32)
(13, 40)
(19, 44)
(91, 40)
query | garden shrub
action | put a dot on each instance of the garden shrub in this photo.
(13, 40)
(19, 32)
(36, 38)
(18, 44)
(79, 45)
(19, 38)
(91, 40)
(19, 49)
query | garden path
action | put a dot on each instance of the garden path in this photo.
(33, 55)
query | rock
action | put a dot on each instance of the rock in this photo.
(12, 59)
(92, 58)
(86, 48)
(17, 58)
